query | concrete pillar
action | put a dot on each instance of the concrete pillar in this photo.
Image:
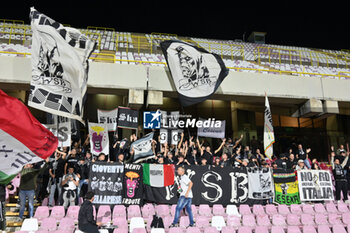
(310, 108)
(135, 98)
(154, 98)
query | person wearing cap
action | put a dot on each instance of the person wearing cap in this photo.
(86, 220)
(300, 165)
(70, 182)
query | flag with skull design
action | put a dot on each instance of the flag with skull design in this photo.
(196, 73)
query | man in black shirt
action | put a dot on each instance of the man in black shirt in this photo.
(56, 171)
(72, 160)
(86, 221)
(83, 170)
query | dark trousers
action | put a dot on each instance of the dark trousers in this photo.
(341, 186)
(89, 228)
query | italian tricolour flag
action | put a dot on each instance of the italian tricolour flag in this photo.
(158, 175)
(23, 139)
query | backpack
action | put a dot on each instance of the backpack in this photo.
(157, 222)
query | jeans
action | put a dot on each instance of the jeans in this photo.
(53, 190)
(307, 163)
(23, 194)
(81, 183)
(183, 203)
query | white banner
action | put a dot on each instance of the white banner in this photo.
(63, 133)
(108, 117)
(163, 136)
(210, 131)
(315, 185)
(260, 185)
(59, 67)
(99, 141)
(269, 136)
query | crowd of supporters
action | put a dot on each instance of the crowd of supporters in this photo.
(64, 177)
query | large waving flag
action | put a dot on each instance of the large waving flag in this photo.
(143, 148)
(269, 136)
(158, 175)
(59, 67)
(196, 73)
(23, 139)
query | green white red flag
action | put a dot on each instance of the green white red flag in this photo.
(158, 175)
(23, 139)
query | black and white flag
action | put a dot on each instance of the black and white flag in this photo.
(196, 73)
(59, 67)
(143, 148)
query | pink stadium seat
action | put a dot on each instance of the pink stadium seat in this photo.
(338, 228)
(309, 229)
(163, 210)
(233, 221)
(271, 209)
(48, 224)
(57, 212)
(184, 221)
(307, 219)
(104, 214)
(245, 230)
(346, 218)
(283, 209)
(228, 229)
(278, 220)
(120, 221)
(319, 208)
(148, 210)
(248, 220)
(202, 221)
(258, 210)
(119, 211)
(293, 220)
(308, 209)
(343, 207)
(323, 229)
(45, 202)
(211, 230)
(167, 221)
(42, 212)
(293, 229)
(263, 220)
(66, 224)
(334, 219)
(134, 211)
(62, 231)
(176, 230)
(295, 209)
(193, 230)
(277, 229)
(120, 230)
(73, 212)
(261, 229)
(204, 210)
(139, 230)
(321, 219)
(331, 208)
(244, 209)
(219, 210)
(42, 231)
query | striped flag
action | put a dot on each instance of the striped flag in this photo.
(269, 137)
(158, 175)
(23, 139)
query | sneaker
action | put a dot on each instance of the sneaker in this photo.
(192, 225)
(347, 201)
(19, 219)
(174, 225)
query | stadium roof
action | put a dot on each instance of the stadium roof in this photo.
(286, 25)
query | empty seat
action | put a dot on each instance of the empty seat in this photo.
(193, 230)
(66, 224)
(233, 221)
(201, 221)
(204, 210)
(323, 229)
(271, 209)
(148, 210)
(307, 219)
(119, 211)
(278, 220)
(48, 224)
(157, 230)
(176, 230)
(346, 218)
(57, 212)
(307, 209)
(295, 209)
(120, 222)
(321, 219)
(309, 229)
(258, 210)
(137, 223)
(30, 224)
(343, 207)
(218, 222)
(228, 229)
(261, 229)
(283, 209)
(263, 220)
(245, 230)
(104, 214)
(334, 219)
(277, 229)
(319, 208)
(338, 228)
(248, 220)
(41, 212)
(211, 230)
(73, 212)
(162, 210)
(232, 210)
(139, 230)
(331, 208)
(293, 220)
(293, 229)
(184, 221)
(218, 210)
(134, 211)
(244, 209)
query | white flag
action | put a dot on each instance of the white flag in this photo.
(59, 67)
(108, 117)
(99, 141)
(269, 137)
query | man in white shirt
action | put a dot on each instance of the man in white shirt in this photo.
(70, 182)
(185, 199)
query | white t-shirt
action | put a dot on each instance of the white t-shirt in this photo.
(184, 183)
(71, 185)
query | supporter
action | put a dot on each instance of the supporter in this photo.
(292, 161)
(301, 165)
(27, 187)
(225, 161)
(304, 155)
(239, 156)
(259, 156)
(217, 161)
(83, 174)
(182, 161)
(315, 165)
(170, 158)
(283, 162)
(86, 219)
(70, 182)
(341, 185)
(204, 161)
(160, 159)
(89, 158)
(72, 159)
(120, 159)
(101, 157)
(56, 170)
(274, 165)
(205, 152)
(2, 204)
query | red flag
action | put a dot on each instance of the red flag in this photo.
(23, 139)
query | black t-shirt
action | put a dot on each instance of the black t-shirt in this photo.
(72, 162)
(57, 167)
(208, 157)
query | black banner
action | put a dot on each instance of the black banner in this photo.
(133, 184)
(127, 118)
(211, 185)
(106, 181)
